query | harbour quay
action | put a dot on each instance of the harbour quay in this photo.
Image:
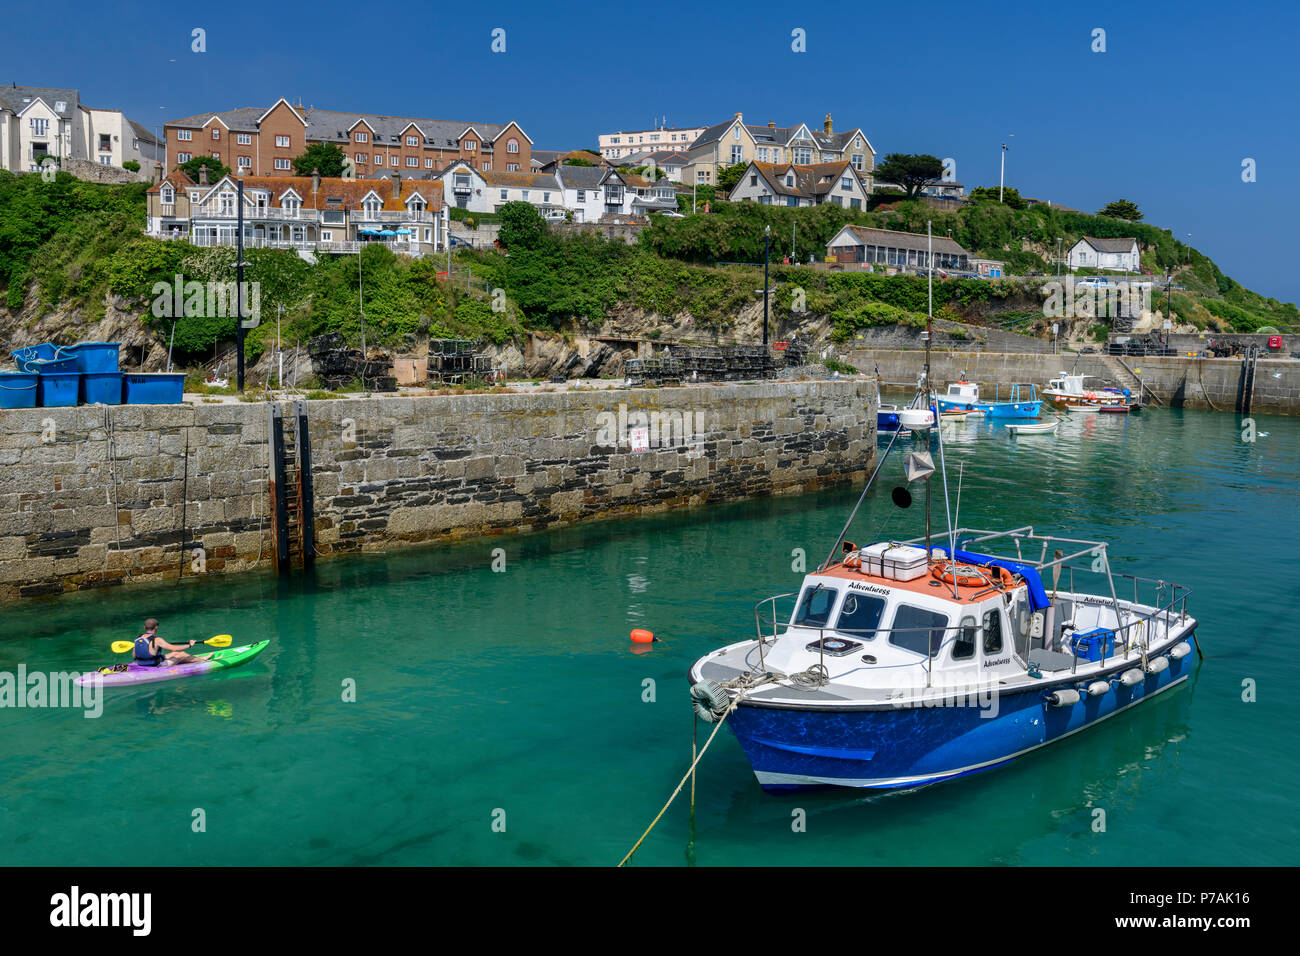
(92, 497)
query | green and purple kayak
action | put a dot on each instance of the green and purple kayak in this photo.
(121, 675)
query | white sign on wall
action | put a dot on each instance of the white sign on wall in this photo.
(640, 438)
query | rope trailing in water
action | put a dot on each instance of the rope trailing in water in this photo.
(1200, 377)
(744, 684)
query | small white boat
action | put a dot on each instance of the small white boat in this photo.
(1039, 428)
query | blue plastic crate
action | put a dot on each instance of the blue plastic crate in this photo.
(28, 355)
(58, 389)
(102, 388)
(153, 388)
(94, 356)
(18, 389)
(1088, 644)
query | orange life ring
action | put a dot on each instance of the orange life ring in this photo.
(853, 559)
(970, 575)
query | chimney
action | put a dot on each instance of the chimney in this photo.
(203, 175)
(827, 127)
(157, 172)
(740, 117)
(315, 181)
(397, 186)
(771, 124)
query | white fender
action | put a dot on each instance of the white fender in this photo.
(1065, 697)
(1131, 677)
(1098, 687)
(1157, 664)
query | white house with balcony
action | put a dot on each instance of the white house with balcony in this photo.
(487, 190)
(1121, 255)
(307, 213)
(37, 122)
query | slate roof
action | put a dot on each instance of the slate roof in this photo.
(582, 177)
(333, 125)
(780, 135)
(811, 181)
(904, 240)
(1110, 245)
(13, 96)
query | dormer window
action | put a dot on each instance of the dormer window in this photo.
(60, 106)
(412, 141)
(291, 205)
(371, 208)
(363, 137)
(415, 206)
(471, 145)
(226, 204)
(168, 195)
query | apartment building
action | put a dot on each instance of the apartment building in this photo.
(308, 213)
(264, 142)
(43, 121)
(622, 144)
(732, 142)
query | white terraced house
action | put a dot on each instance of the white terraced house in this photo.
(40, 121)
(1118, 254)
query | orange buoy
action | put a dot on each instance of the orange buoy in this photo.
(641, 636)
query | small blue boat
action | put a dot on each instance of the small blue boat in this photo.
(1023, 401)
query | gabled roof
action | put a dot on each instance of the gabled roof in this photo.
(19, 98)
(1109, 245)
(348, 192)
(498, 177)
(583, 177)
(900, 240)
(811, 181)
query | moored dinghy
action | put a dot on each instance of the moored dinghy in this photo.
(1036, 428)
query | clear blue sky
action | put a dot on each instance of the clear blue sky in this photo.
(1183, 93)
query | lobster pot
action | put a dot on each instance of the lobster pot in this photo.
(903, 563)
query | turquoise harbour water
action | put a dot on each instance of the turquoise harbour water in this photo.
(479, 692)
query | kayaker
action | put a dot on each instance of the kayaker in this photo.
(149, 649)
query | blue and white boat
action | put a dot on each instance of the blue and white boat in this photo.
(887, 674)
(1022, 401)
(902, 664)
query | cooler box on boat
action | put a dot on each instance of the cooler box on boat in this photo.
(101, 388)
(903, 563)
(1088, 644)
(18, 389)
(58, 389)
(153, 388)
(872, 557)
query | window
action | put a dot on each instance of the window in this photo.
(963, 647)
(412, 161)
(428, 235)
(582, 195)
(326, 235)
(512, 146)
(485, 166)
(60, 106)
(428, 162)
(753, 180)
(789, 180)
(217, 157)
(245, 162)
(855, 203)
(244, 139)
(815, 606)
(546, 197)
(737, 154)
(828, 157)
(135, 144)
(362, 159)
(282, 164)
(791, 201)
(735, 132)
(282, 142)
(860, 615)
(525, 195)
(503, 195)
(510, 167)
(470, 145)
(40, 126)
(616, 139)
(183, 157)
(802, 157)
(226, 204)
(106, 160)
(858, 142)
(762, 154)
(291, 206)
(412, 141)
(701, 176)
(216, 133)
(184, 135)
(194, 195)
(362, 137)
(371, 208)
(993, 632)
(168, 195)
(392, 160)
(857, 161)
(917, 630)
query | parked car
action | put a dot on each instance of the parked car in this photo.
(1089, 350)
(1099, 282)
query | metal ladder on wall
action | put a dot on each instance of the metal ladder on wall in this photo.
(1248, 378)
(291, 507)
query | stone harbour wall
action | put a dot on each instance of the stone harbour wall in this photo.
(93, 497)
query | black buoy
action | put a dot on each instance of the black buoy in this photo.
(902, 497)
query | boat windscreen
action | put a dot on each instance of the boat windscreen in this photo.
(916, 629)
(860, 615)
(815, 606)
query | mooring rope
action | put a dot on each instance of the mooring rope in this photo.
(744, 683)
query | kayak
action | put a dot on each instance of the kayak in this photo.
(131, 673)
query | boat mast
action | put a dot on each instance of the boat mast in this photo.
(929, 319)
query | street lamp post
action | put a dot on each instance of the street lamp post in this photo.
(1059, 240)
(239, 282)
(1003, 174)
(767, 256)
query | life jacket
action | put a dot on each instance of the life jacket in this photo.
(143, 656)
